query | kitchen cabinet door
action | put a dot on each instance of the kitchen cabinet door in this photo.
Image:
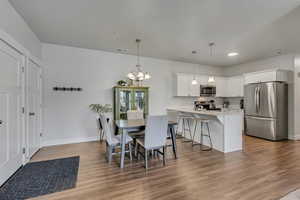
(221, 86)
(235, 86)
(185, 87)
(194, 89)
(267, 76)
(182, 86)
(203, 79)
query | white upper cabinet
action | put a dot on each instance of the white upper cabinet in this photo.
(184, 86)
(235, 86)
(221, 86)
(225, 86)
(266, 76)
(230, 86)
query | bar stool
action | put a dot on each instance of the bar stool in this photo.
(202, 122)
(184, 120)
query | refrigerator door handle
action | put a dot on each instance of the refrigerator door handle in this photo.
(255, 99)
(261, 118)
(258, 98)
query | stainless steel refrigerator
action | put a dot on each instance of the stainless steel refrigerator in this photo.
(266, 110)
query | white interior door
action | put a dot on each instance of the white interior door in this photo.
(33, 107)
(11, 126)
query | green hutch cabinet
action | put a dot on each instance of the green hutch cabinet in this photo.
(130, 98)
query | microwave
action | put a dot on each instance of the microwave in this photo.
(207, 91)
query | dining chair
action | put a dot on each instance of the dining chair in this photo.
(155, 137)
(135, 114)
(100, 128)
(135, 132)
(113, 141)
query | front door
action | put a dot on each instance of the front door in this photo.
(11, 96)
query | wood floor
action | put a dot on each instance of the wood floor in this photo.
(264, 170)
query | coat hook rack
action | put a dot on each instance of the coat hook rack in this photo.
(67, 89)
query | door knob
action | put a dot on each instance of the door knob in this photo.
(1, 122)
(31, 114)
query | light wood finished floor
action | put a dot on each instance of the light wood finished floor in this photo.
(264, 170)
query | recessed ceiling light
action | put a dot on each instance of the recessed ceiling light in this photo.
(232, 54)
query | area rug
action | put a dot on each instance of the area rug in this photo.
(40, 178)
(295, 195)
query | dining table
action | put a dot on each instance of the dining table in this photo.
(126, 125)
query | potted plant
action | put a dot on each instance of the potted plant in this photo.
(101, 109)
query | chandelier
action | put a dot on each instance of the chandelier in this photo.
(138, 74)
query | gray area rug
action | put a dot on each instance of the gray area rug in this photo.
(295, 195)
(40, 178)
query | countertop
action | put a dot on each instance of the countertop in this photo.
(206, 112)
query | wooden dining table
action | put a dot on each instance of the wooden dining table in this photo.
(126, 125)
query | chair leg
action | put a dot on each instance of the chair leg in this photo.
(195, 128)
(208, 135)
(164, 156)
(189, 124)
(130, 150)
(146, 159)
(101, 135)
(201, 139)
(106, 152)
(135, 149)
(110, 151)
(208, 131)
(138, 151)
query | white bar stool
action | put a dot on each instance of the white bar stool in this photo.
(202, 122)
(184, 120)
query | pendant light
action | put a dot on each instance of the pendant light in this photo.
(194, 81)
(138, 75)
(211, 79)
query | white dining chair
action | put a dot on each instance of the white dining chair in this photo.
(135, 114)
(135, 132)
(100, 128)
(155, 137)
(113, 141)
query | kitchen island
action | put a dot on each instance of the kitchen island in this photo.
(226, 127)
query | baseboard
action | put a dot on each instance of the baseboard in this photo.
(69, 141)
(294, 137)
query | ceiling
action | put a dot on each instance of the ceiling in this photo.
(170, 29)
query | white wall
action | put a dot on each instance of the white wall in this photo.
(297, 97)
(67, 116)
(280, 62)
(14, 25)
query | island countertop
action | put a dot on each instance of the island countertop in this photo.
(206, 112)
(226, 127)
